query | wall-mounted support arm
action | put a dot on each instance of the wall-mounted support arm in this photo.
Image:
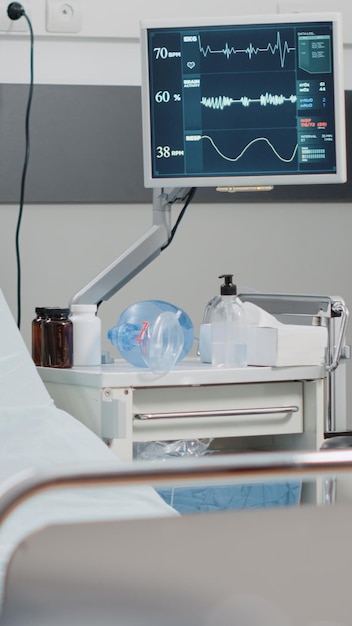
(139, 255)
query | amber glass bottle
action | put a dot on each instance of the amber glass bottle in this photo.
(40, 313)
(57, 338)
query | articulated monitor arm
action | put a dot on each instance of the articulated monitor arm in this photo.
(139, 255)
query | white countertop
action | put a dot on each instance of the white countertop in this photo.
(188, 372)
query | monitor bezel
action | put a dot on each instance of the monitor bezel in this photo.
(256, 180)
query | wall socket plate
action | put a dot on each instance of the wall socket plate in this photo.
(14, 26)
(63, 17)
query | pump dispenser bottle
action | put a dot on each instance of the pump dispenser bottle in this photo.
(229, 328)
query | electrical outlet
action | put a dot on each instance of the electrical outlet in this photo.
(63, 17)
(14, 26)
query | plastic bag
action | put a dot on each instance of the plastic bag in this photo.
(162, 450)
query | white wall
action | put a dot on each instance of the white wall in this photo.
(112, 19)
(292, 248)
(106, 49)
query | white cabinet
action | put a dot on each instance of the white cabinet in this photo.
(250, 408)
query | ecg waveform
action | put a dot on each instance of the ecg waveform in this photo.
(249, 145)
(221, 102)
(282, 48)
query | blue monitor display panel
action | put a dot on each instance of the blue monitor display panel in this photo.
(245, 101)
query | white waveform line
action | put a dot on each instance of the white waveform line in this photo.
(250, 50)
(251, 143)
(220, 102)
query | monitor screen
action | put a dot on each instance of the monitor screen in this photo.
(245, 101)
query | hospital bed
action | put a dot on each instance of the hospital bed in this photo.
(277, 567)
(116, 552)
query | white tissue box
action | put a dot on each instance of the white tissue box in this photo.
(287, 345)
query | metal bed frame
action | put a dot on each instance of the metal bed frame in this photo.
(263, 567)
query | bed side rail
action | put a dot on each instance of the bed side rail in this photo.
(234, 468)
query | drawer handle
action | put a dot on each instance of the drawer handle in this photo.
(217, 413)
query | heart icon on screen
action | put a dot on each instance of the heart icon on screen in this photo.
(191, 65)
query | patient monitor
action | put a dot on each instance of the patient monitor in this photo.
(253, 101)
(233, 103)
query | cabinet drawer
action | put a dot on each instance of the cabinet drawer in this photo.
(217, 411)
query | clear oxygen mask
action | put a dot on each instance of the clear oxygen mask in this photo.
(153, 334)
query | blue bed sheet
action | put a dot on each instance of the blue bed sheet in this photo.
(232, 497)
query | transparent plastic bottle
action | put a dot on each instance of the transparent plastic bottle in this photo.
(57, 338)
(229, 328)
(86, 334)
(153, 334)
(40, 314)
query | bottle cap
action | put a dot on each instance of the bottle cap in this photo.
(228, 288)
(56, 311)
